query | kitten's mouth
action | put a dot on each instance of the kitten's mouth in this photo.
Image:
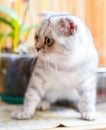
(42, 53)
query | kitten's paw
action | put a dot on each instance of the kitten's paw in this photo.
(88, 116)
(21, 115)
(43, 105)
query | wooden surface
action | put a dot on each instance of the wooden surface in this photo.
(81, 128)
(51, 119)
(93, 12)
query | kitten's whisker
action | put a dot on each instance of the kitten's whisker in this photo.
(48, 61)
(60, 52)
(48, 64)
(33, 62)
(48, 58)
(55, 65)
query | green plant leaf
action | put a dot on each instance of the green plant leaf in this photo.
(14, 21)
(9, 12)
(4, 20)
(7, 34)
(27, 28)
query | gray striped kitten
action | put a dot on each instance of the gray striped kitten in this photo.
(66, 67)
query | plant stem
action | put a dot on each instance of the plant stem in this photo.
(16, 38)
(1, 44)
(16, 30)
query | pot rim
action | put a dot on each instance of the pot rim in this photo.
(102, 69)
(5, 55)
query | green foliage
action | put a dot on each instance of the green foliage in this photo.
(8, 34)
(9, 12)
(17, 28)
(5, 21)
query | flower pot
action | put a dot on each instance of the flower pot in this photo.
(16, 70)
(101, 85)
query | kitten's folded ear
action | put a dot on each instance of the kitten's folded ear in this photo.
(66, 27)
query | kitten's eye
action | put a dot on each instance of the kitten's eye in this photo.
(36, 37)
(49, 41)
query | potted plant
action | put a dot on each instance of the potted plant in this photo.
(15, 68)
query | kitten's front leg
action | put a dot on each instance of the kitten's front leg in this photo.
(88, 99)
(31, 100)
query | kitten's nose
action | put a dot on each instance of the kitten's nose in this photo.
(38, 49)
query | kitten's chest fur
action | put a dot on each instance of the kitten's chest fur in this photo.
(57, 74)
(59, 86)
(60, 81)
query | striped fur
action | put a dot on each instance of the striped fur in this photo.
(66, 68)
